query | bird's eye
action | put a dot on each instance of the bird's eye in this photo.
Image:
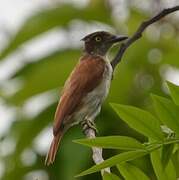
(97, 38)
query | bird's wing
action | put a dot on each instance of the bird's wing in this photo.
(84, 78)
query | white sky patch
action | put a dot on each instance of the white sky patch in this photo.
(7, 116)
(42, 141)
(169, 3)
(45, 44)
(13, 13)
(7, 146)
(36, 104)
(154, 56)
(10, 65)
(28, 157)
(77, 3)
(120, 10)
(153, 33)
(172, 74)
(11, 86)
(169, 73)
(36, 175)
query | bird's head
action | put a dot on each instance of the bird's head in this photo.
(98, 43)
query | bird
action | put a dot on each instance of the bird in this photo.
(85, 89)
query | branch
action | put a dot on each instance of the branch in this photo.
(138, 34)
(97, 152)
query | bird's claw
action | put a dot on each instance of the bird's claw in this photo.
(89, 124)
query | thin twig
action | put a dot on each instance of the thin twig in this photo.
(97, 152)
(138, 34)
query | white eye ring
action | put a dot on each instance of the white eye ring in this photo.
(97, 38)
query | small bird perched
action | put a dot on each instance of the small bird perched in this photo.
(85, 89)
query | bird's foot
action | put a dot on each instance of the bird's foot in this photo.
(86, 124)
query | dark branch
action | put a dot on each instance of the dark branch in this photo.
(138, 34)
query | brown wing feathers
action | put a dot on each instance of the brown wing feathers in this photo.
(84, 78)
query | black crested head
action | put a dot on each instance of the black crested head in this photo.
(98, 43)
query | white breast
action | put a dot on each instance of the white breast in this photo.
(102, 89)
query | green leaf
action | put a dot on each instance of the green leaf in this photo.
(113, 142)
(167, 112)
(167, 153)
(142, 121)
(167, 173)
(131, 172)
(170, 170)
(56, 17)
(110, 176)
(117, 159)
(157, 165)
(174, 90)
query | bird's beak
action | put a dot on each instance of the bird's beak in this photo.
(115, 39)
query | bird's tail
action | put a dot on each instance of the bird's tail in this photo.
(50, 157)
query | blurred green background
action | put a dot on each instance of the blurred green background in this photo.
(36, 57)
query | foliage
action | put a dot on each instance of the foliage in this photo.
(159, 147)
